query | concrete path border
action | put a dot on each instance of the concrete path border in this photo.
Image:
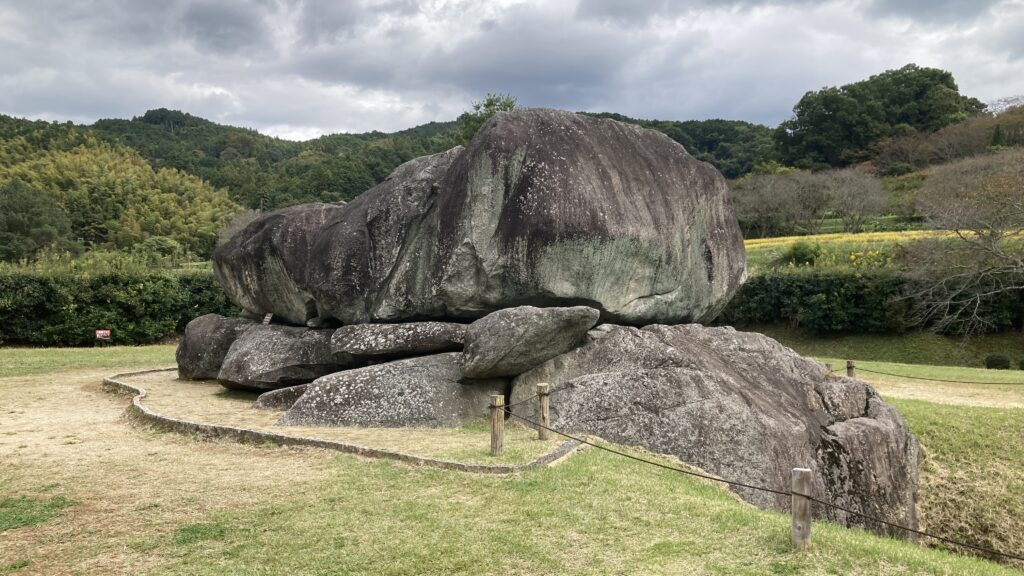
(141, 412)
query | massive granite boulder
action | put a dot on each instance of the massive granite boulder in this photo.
(511, 341)
(267, 357)
(542, 208)
(741, 406)
(427, 391)
(264, 267)
(205, 344)
(398, 340)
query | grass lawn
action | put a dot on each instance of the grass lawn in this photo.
(972, 481)
(26, 361)
(909, 348)
(136, 501)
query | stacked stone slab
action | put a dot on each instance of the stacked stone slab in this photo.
(206, 342)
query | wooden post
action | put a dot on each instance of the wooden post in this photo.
(497, 424)
(801, 508)
(851, 369)
(544, 405)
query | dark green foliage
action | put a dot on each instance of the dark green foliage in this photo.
(202, 295)
(800, 253)
(840, 126)
(997, 362)
(847, 300)
(821, 301)
(997, 137)
(471, 121)
(63, 308)
(733, 147)
(265, 173)
(29, 222)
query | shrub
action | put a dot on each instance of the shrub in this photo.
(800, 253)
(822, 300)
(64, 307)
(997, 362)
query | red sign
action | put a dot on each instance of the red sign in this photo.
(103, 334)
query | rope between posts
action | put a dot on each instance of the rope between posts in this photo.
(534, 397)
(763, 489)
(937, 379)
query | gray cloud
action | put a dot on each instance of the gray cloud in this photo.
(934, 10)
(303, 67)
(224, 27)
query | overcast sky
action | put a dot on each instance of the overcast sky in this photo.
(300, 68)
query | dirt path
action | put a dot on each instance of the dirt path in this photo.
(61, 434)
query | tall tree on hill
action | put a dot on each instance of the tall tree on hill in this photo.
(839, 126)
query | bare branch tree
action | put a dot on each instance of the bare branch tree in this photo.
(980, 200)
(781, 203)
(855, 196)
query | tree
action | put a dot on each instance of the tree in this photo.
(840, 126)
(778, 203)
(29, 222)
(854, 196)
(471, 120)
(997, 137)
(980, 201)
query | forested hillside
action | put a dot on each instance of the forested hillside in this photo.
(64, 187)
(262, 172)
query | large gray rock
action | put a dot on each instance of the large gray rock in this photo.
(741, 406)
(272, 356)
(398, 340)
(427, 391)
(264, 268)
(205, 343)
(511, 341)
(280, 399)
(543, 208)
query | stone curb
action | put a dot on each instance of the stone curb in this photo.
(248, 436)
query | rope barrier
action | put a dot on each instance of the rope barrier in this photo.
(533, 397)
(938, 379)
(768, 490)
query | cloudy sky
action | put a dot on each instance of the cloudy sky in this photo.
(300, 68)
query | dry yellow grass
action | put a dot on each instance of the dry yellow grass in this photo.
(65, 434)
(990, 395)
(208, 402)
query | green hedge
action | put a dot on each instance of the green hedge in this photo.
(842, 300)
(65, 308)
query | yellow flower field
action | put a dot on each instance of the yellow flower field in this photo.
(863, 237)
